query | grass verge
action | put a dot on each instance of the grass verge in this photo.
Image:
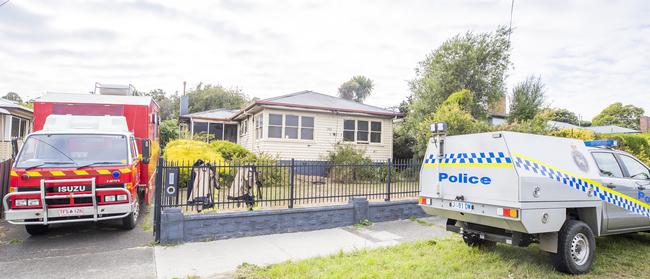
(621, 256)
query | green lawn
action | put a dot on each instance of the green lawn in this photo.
(625, 256)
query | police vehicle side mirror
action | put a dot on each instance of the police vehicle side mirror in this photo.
(14, 148)
(146, 151)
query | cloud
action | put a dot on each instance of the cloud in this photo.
(589, 54)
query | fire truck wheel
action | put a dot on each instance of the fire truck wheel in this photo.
(129, 222)
(36, 229)
(576, 248)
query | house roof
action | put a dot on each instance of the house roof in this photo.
(51, 97)
(608, 129)
(4, 103)
(314, 100)
(611, 129)
(216, 114)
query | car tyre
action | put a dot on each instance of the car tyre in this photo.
(130, 221)
(576, 248)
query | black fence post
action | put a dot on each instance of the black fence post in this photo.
(292, 182)
(158, 199)
(388, 166)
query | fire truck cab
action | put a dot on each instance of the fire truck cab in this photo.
(92, 158)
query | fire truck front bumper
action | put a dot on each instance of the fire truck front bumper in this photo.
(45, 215)
(67, 214)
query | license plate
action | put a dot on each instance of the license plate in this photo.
(72, 188)
(464, 206)
(71, 212)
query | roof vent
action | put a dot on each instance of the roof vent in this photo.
(114, 89)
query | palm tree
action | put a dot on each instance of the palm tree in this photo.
(357, 89)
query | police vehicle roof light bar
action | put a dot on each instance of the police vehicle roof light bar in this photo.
(601, 143)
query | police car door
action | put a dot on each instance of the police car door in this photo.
(613, 177)
(638, 177)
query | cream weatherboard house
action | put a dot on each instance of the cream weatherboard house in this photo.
(306, 125)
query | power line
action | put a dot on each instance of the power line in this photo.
(5, 2)
(512, 6)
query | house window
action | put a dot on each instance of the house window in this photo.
(275, 126)
(307, 127)
(291, 126)
(362, 131)
(259, 123)
(375, 131)
(15, 127)
(349, 127)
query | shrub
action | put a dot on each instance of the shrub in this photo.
(186, 152)
(168, 131)
(349, 164)
(232, 151)
(574, 133)
(269, 170)
(635, 144)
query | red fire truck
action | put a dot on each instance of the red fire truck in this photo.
(92, 157)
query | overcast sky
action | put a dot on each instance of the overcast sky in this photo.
(589, 53)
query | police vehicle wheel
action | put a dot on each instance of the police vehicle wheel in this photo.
(129, 222)
(36, 229)
(576, 248)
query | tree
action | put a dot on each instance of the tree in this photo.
(209, 97)
(169, 106)
(477, 62)
(13, 96)
(168, 131)
(455, 111)
(526, 100)
(627, 116)
(357, 89)
(566, 116)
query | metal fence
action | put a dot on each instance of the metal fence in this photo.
(226, 186)
(5, 174)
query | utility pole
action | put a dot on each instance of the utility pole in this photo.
(512, 6)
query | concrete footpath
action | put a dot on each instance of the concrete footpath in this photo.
(219, 259)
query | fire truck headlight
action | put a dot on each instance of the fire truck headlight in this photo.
(21, 202)
(110, 198)
(33, 202)
(121, 197)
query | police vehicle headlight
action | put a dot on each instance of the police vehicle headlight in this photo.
(110, 198)
(121, 197)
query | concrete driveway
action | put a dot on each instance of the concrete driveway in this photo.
(86, 250)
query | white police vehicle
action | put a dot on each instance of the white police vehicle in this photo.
(520, 189)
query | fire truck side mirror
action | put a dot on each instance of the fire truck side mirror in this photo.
(14, 148)
(146, 151)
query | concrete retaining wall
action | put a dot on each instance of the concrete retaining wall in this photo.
(176, 227)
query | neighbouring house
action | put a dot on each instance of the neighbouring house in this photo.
(16, 123)
(304, 126)
(217, 122)
(608, 129)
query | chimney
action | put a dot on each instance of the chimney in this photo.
(645, 123)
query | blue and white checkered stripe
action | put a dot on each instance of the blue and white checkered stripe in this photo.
(472, 158)
(583, 185)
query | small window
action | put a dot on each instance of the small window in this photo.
(635, 169)
(349, 128)
(134, 149)
(23, 127)
(375, 131)
(259, 124)
(291, 127)
(607, 164)
(243, 127)
(362, 131)
(200, 127)
(275, 125)
(15, 127)
(307, 128)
